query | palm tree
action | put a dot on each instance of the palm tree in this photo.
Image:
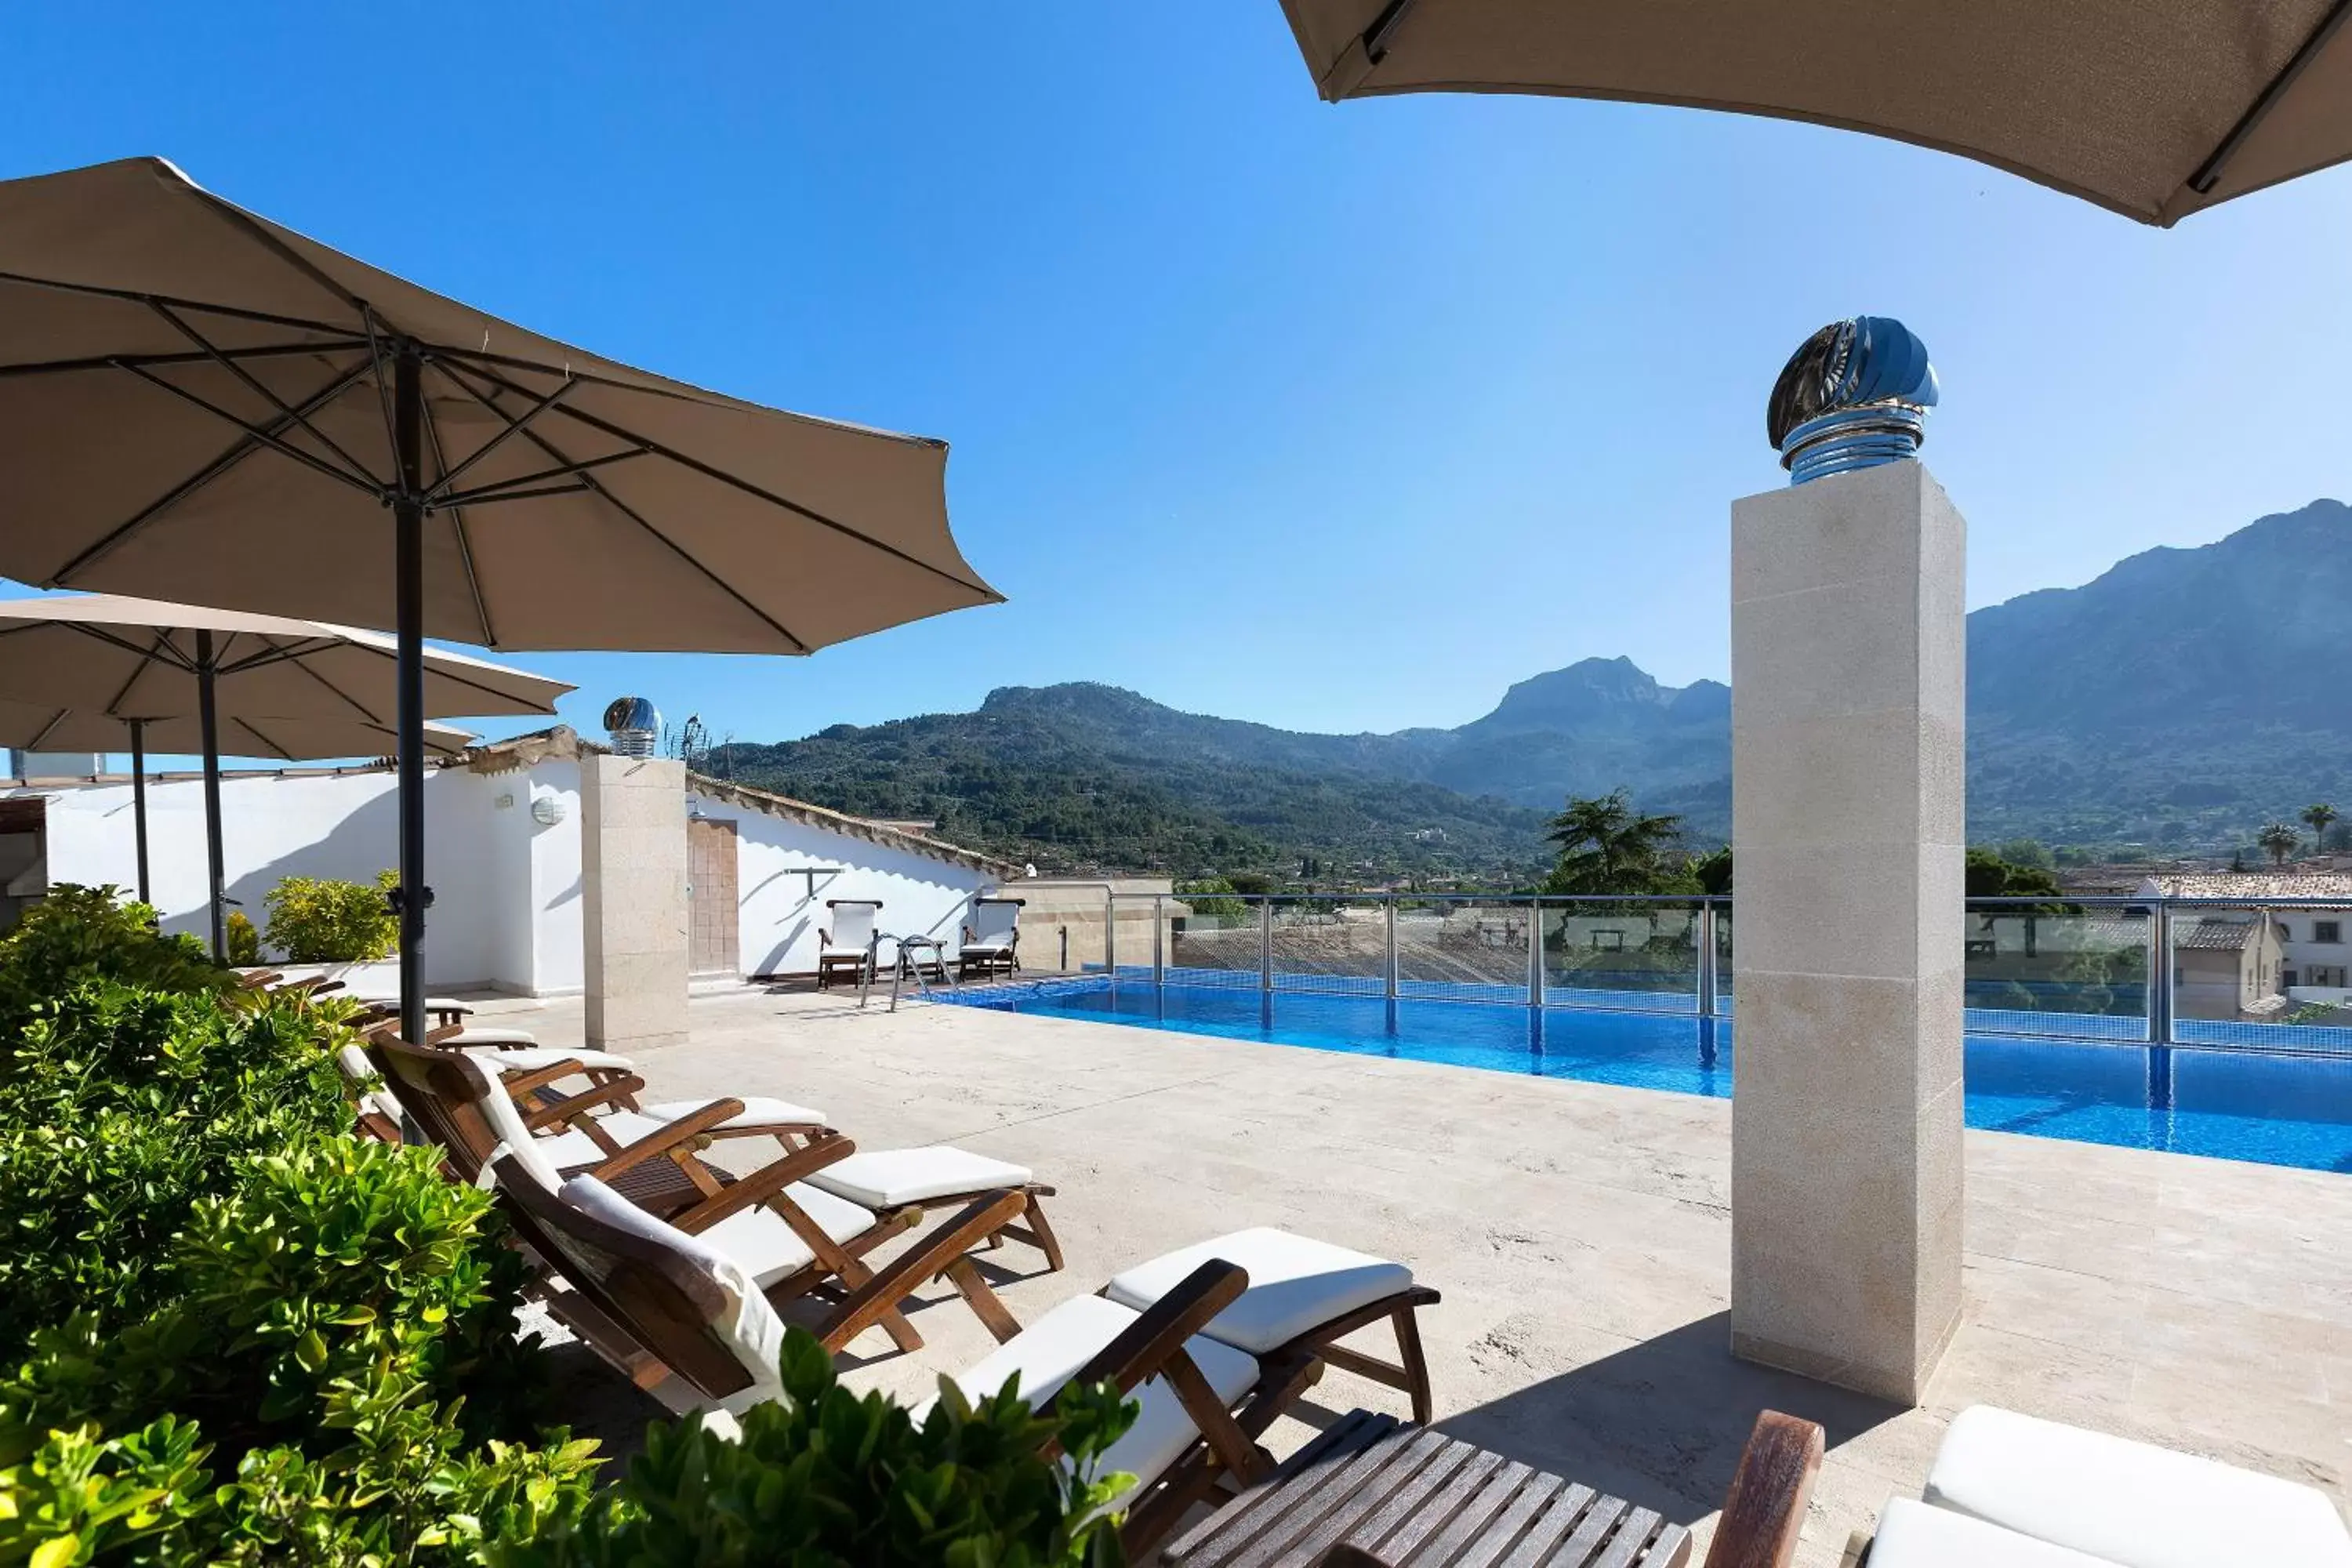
(2319, 817)
(1606, 846)
(2280, 841)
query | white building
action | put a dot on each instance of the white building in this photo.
(2315, 963)
(502, 856)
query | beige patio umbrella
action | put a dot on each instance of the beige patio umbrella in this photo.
(2155, 109)
(34, 728)
(124, 670)
(197, 401)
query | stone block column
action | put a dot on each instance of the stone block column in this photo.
(1848, 686)
(633, 900)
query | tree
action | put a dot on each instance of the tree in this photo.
(2319, 817)
(1989, 875)
(1713, 871)
(2278, 841)
(1606, 846)
(2027, 852)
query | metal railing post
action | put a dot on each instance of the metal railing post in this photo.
(1389, 963)
(2159, 973)
(1110, 933)
(1158, 940)
(1266, 946)
(1707, 959)
(1534, 953)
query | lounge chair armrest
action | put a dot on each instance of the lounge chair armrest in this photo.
(1766, 1506)
(920, 1263)
(764, 1183)
(1146, 1344)
(677, 1134)
(621, 1092)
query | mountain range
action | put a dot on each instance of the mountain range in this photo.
(2177, 701)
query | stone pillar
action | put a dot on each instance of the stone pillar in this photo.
(633, 896)
(1848, 680)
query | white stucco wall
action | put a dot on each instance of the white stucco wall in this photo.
(781, 914)
(507, 898)
(341, 825)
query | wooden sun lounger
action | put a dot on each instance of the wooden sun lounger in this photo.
(462, 1107)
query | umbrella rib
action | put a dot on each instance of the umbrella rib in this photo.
(444, 672)
(696, 466)
(50, 729)
(274, 652)
(2208, 172)
(178, 660)
(138, 669)
(237, 217)
(276, 402)
(197, 481)
(187, 356)
(250, 728)
(356, 706)
(504, 489)
(364, 482)
(140, 297)
(464, 542)
(560, 456)
(441, 489)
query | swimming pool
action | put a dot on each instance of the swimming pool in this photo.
(2268, 1108)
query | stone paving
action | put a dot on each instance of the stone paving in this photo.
(1581, 1235)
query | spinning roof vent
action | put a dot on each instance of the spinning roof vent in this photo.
(635, 725)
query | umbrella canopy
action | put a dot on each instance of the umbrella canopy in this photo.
(116, 656)
(194, 400)
(31, 727)
(197, 401)
(2153, 108)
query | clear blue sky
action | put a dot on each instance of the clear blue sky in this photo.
(1335, 418)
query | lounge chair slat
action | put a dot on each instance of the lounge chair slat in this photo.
(1349, 1496)
(1631, 1544)
(1550, 1527)
(1426, 1522)
(1578, 1550)
(1532, 1499)
(1255, 1507)
(1398, 1506)
(1671, 1549)
(1480, 1514)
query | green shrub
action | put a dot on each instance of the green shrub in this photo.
(120, 1110)
(341, 1342)
(316, 920)
(825, 1476)
(244, 940)
(75, 935)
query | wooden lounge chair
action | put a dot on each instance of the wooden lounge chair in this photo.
(848, 943)
(659, 1300)
(795, 1239)
(991, 940)
(2011, 1491)
(898, 1184)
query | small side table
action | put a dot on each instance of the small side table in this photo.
(1396, 1493)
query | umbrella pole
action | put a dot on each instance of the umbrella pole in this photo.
(208, 719)
(408, 544)
(139, 801)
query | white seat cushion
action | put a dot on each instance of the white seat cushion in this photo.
(1913, 1535)
(2130, 1503)
(770, 1249)
(984, 949)
(530, 1059)
(889, 1177)
(1295, 1284)
(1046, 1352)
(503, 1039)
(759, 1110)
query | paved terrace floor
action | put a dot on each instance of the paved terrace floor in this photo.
(1581, 1235)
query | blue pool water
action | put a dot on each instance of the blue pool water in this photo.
(2231, 1104)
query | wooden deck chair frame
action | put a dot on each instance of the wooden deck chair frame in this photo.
(1285, 1375)
(652, 1317)
(857, 962)
(662, 1174)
